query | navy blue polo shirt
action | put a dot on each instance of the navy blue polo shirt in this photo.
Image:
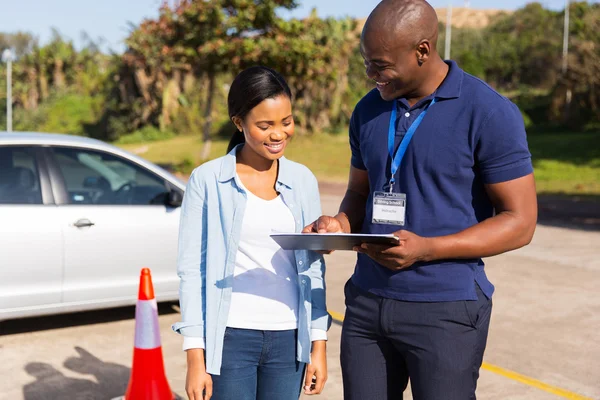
(469, 137)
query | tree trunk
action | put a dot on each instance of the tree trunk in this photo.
(43, 78)
(143, 83)
(339, 91)
(208, 115)
(33, 95)
(170, 100)
(59, 75)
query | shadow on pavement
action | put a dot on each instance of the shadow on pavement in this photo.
(570, 211)
(109, 379)
(36, 324)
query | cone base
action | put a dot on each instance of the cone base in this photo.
(148, 380)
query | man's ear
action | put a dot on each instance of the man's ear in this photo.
(423, 51)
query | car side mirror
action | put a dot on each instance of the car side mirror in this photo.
(174, 198)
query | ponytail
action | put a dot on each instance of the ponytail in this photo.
(236, 138)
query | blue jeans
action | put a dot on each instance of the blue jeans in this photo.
(259, 365)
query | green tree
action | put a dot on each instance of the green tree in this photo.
(576, 98)
(315, 55)
(55, 87)
(524, 48)
(468, 45)
(21, 43)
(207, 37)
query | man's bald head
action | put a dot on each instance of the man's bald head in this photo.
(398, 45)
(403, 20)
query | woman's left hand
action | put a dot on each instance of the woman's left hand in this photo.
(316, 371)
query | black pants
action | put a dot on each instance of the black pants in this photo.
(438, 345)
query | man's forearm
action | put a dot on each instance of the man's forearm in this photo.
(352, 212)
(499, 234)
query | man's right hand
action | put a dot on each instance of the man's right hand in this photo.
(198, 383)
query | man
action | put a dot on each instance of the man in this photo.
(440, 160)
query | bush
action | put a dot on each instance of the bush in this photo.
(68, 113)
(534, 107)
(186, 166)
(145, 135)
(526, 119)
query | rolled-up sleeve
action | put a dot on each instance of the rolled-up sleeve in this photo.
(354, 129)
(502, 151)
(191, 260)
(321, 320)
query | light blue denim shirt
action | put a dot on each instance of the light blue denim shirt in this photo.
(211, 221)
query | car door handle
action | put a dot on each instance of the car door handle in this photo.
(82, 223)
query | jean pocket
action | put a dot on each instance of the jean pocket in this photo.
(228, 332)
(475, 309)
(349, 291)
(471, 308)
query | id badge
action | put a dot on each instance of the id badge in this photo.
(389, 208)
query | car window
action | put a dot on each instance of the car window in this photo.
(19, 176)
(94, 177)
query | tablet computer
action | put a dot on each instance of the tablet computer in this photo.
(330, 241)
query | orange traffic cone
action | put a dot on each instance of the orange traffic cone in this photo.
(148, 380)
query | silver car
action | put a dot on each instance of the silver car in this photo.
(78, 220)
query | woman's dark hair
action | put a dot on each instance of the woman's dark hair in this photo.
(250, 88)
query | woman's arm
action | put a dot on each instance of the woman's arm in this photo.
(191, 268)
(316, 373)
(321, 320)
(191, 265)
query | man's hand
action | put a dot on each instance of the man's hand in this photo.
(198, 383)
(316, 371)
(412, 248)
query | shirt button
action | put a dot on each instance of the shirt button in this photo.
(300, 263)
(407, 115)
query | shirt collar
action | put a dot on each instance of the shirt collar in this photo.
(451, 86)
(228, 168)
(449, 89)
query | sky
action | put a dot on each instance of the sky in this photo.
(108, 21)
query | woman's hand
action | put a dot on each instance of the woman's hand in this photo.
(198, 383)
(326, 224)
(316, 371)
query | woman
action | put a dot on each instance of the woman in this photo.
(253, 314)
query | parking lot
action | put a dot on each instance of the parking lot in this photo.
(543, 341)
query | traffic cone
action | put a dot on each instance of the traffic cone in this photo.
(147, 380)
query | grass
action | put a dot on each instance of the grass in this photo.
(565, 163)
(328, 156)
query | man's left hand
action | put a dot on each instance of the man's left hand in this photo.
(412, 248)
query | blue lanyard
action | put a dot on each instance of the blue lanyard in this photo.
(397, 159)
